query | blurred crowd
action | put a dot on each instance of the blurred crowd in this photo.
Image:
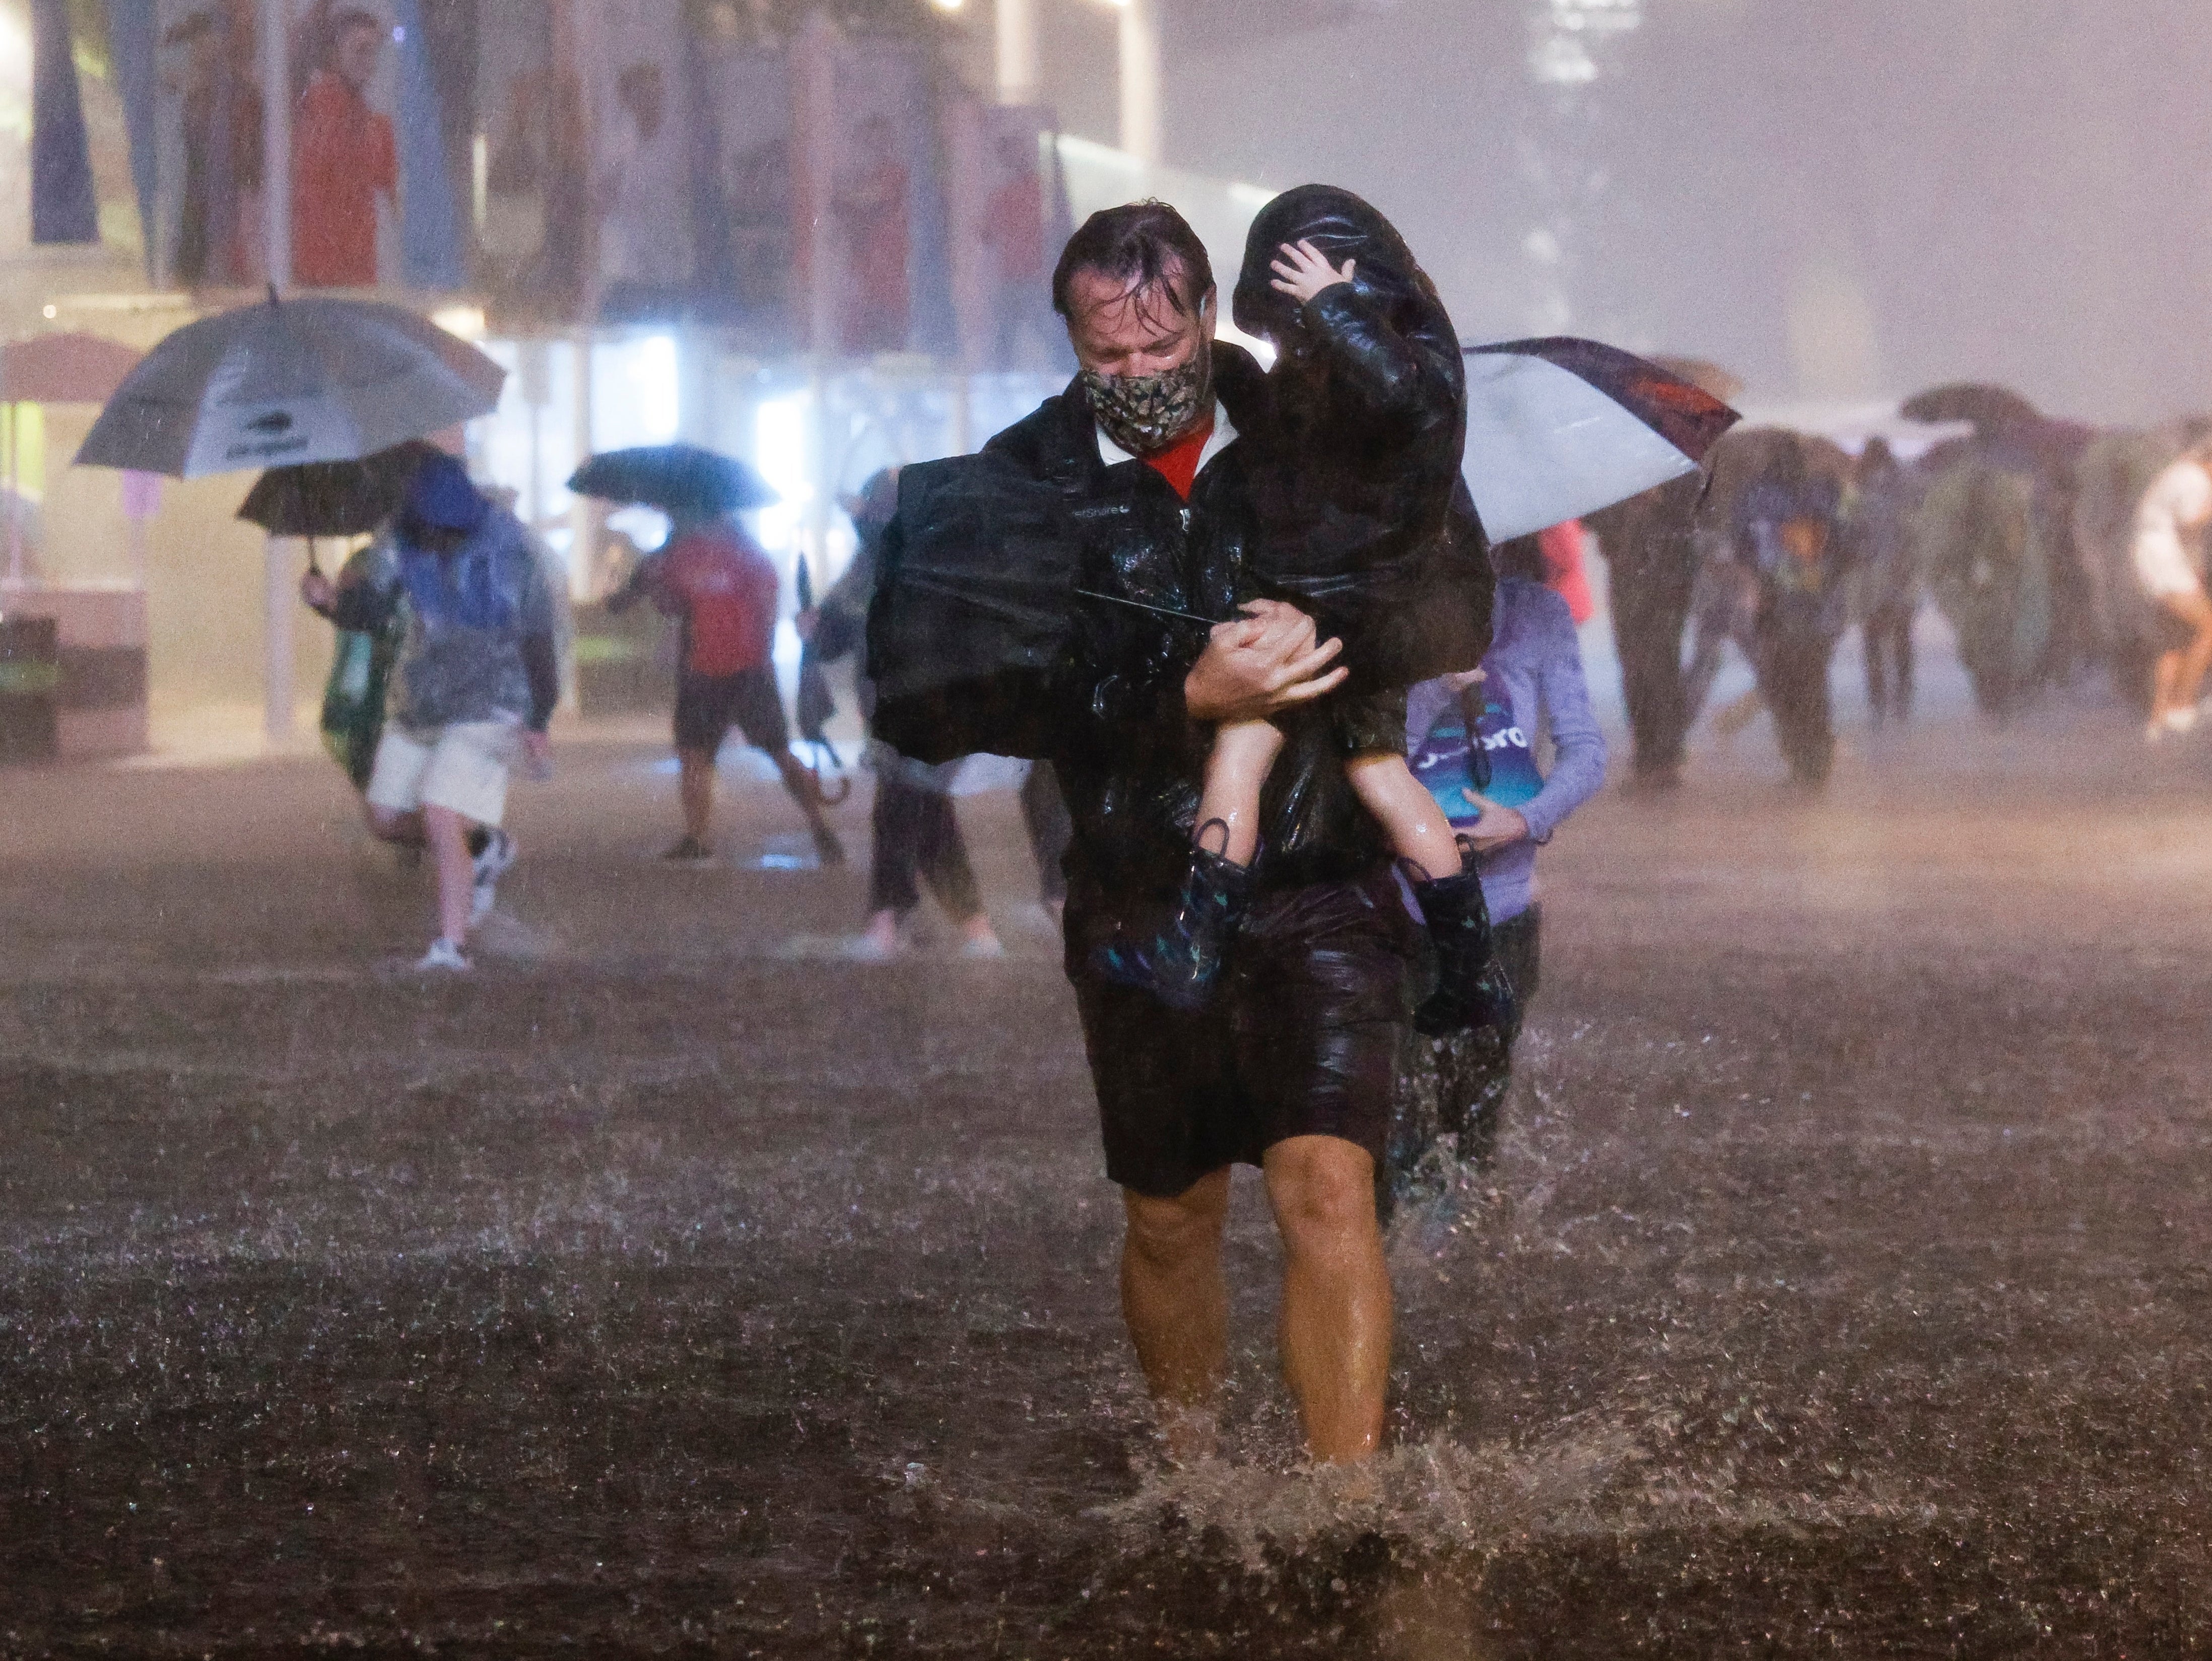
(2056, 552)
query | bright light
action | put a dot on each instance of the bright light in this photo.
(1560, 56)
(947, 5)
(54, 311)
(15, 77)
(1562, 61)
(466, 321)
(649, 367)
(646, 527)
(779, 452)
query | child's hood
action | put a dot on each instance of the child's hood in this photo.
(1342, 227)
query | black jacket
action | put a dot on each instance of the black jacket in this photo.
(1105, 703)
(1113, 720)
(1358, 511)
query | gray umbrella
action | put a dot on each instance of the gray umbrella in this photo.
(286, 382)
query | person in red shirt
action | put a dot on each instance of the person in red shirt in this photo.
(1562, 548)
(344, 159)
(714, 579)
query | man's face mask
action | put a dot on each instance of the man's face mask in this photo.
(1146, 414)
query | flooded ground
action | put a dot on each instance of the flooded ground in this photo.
(1843, 1285)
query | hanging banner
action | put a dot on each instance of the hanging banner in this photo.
(65, 208)
(743, 195)
(209, 148)
(346, 169)
(534, 236)
(134, 36)
(890, 276)
(431, 252)
(638, 80)
(1009, 216)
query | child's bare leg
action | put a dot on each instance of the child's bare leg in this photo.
(1243, 751)
(1409, 816)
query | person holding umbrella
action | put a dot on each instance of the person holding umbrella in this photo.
(479, 678)
(724, 590)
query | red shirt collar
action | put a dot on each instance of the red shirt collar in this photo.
(1178, 462)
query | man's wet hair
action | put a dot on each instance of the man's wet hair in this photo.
(1139, 245)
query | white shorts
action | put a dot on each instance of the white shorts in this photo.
(2162, 566)
(462, 767)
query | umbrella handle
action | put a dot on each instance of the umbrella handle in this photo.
(313, 565)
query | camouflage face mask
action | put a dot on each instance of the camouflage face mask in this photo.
(1146, 414)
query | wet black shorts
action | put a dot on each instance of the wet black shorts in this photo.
(1301, 1037)
(708, 706)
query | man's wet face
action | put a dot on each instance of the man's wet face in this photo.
(1118, 332)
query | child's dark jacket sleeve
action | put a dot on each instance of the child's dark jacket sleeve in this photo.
(1405, 385)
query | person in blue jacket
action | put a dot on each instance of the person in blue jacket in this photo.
(1471, 739)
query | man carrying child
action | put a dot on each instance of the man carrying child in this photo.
(1288, 1061)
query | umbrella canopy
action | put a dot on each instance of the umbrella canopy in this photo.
(335, 498)
(1705, 375)
(286, 382)
(1559, 427)
(1987, 408)
(681, 479)
(976, 597)
(62, 368)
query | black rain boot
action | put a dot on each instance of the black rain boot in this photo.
(1472, 991)
(1180, 964)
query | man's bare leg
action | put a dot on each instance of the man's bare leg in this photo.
(447, 834)
(2195, 609)
(1176, 1304)
(695, 788)
(1335, 1323)
(402, 830)
(800, 784)
(2165, 677)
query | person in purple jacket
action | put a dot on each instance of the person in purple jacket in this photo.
(1472, 738)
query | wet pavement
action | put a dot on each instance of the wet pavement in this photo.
(1843, 1284)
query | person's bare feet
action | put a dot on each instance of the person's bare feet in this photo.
(979, 939)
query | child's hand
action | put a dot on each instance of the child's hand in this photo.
(1304, 271)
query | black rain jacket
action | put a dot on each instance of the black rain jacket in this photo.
(1112, 720)
(1358, 512)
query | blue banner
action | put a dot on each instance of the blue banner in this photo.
(64, 207)
(133, 35)
(430, 254)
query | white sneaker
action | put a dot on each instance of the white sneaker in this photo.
(2181, 720)
(487, 868)
(988, 946)
(443, 955)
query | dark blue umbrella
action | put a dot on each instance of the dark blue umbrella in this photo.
(681, 479)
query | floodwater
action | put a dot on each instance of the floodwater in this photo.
(1841, 1284)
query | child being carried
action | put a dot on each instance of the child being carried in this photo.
(1360, 518)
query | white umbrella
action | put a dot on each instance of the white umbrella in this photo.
(1559, 427)
(289, 381)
